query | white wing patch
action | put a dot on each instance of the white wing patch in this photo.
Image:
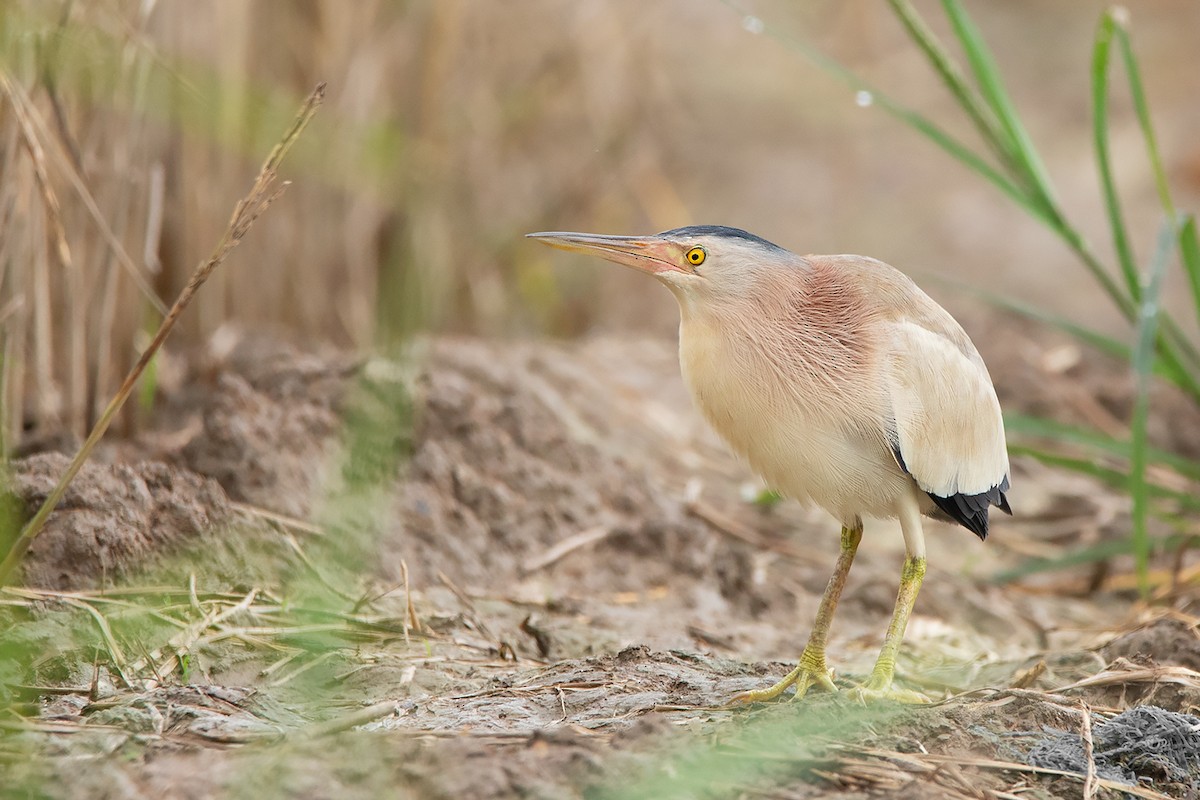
(948, 423)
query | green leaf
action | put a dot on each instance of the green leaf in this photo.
(987, 74)
(968, 98)
(1100, 341)
(1171, 367)
(1189, 254)
(148, 387)
(1142, 108)
(1116, 220)
(1143, 358)
(1101, 551)
(1115, 22)
(1101, 443)
(1113, 477)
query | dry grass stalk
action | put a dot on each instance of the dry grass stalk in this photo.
(23, 105)
(413, 621)
(262, 194)
(1090, 787)
(348, 721)
(565, 547)
(183, 641)
(1124, 673)
(723, 523)
(116, 656)
(275, 518)
(56, 240)
(203, 620)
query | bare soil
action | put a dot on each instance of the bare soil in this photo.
(558, 586)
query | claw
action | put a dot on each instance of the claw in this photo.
(811, 670)
(802, 677)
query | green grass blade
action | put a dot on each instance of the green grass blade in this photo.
(968, 98)
(1172, 336)
(1023, 425)
(1103, 343)
(1176, 372)
(967, 157)
(1189, 254)
(1101, 551)
(1116, 219)
(1099, 271)
(1142, 108)
(1143, 359)
(1167, 366)
(1117, 478)
(1029, 173)
(987, 74)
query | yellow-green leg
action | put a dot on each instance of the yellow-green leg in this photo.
(879, 685)
(812, 668)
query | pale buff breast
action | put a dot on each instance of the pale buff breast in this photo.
(819, 443)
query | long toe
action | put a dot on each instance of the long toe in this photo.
(801, 677)
(875, 691)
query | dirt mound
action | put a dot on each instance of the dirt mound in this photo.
(507, 464)
(270, 424)
(1167, 641)
(113, 516)
(517, 451)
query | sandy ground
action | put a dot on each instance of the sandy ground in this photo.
(550, 584)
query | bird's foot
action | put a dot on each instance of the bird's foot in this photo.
(880, 687)
(811, 671)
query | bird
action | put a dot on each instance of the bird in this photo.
(843, 385)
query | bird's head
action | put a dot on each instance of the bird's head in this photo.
(699, 264)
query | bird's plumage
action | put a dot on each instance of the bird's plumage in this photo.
(832, 365)
(842, 384)
(721, 232)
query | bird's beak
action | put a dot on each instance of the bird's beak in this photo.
(650, 254)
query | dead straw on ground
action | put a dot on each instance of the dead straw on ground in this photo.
(257, 620)
(893, 771)
(262, 194)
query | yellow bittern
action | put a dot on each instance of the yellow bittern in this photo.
(843, 385)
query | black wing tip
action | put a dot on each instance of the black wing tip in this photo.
(968, 510)
(956, 507)
(971, 510)
(1003, 504)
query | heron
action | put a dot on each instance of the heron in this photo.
(842, 385)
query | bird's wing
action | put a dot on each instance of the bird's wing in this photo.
(949, 434)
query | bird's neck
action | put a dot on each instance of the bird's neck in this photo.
(801, 329)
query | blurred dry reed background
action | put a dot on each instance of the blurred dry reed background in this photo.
(127, 130)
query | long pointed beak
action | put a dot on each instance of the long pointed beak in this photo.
(650, 254)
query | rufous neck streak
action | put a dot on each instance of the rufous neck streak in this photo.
(813, 331)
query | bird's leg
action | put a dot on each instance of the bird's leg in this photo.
(879, 685)
(812, 668)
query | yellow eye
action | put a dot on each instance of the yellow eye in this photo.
(696, 256)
